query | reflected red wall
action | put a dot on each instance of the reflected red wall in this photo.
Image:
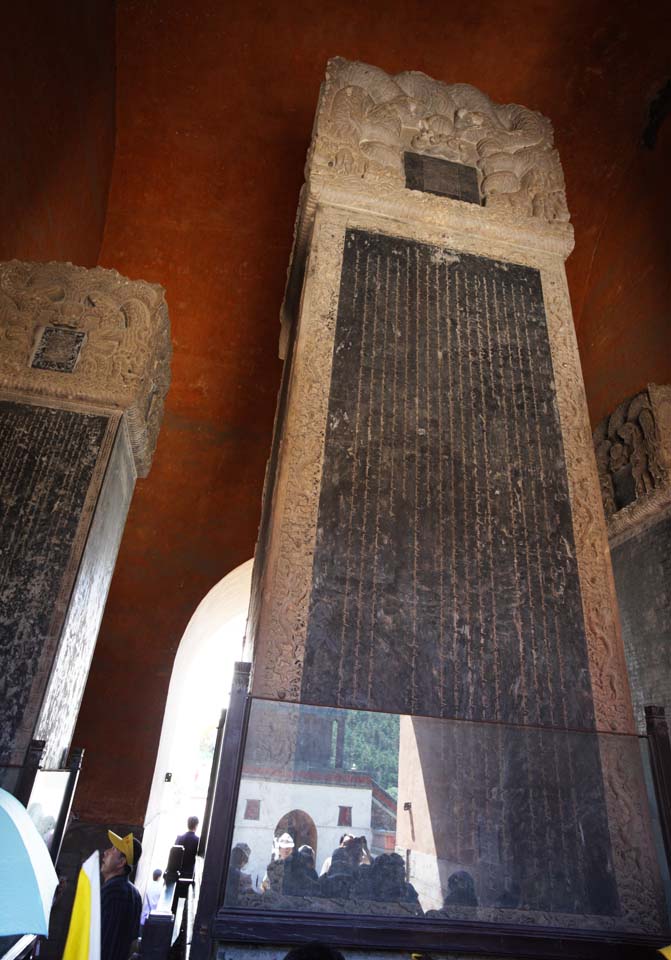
(215, 107)
(57, 125)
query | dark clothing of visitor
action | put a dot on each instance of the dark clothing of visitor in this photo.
(189, 841)
(120, 909)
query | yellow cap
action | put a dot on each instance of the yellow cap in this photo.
(123, 844)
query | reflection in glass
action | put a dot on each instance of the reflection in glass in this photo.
(46, 800)
(343, 811)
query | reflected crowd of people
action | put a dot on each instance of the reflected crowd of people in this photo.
(349, 873)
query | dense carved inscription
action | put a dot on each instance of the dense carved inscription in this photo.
(68, 671)
(48, 459)
(58, 349)
(444, 540)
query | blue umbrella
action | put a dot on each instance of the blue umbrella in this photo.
(27, 876)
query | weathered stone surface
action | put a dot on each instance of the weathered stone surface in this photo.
(435, 542)
(68, 673)
(53, 463)
(367, 120)
(79, 350)
(91, 336)
(284, 568)
(642, 568)
(336, 198)
(444, 538)
(633, 455)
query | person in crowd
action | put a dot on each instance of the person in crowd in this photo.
(307, 854)
(327, 863)
(189, 841)
(314, 951)
(355, 852)
(300, 877)
(283, 847)
(151, 895)
(384, 880)
(120, 900)
(238, 882)
(461, 890)
(345, 868)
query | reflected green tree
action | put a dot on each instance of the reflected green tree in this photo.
(371, 746)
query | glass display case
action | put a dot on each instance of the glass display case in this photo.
(356, 813)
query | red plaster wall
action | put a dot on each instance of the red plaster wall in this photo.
(215, 106)
(57, 125)
(625, 339)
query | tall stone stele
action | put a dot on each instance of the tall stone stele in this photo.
(84, 370)
(433, 543)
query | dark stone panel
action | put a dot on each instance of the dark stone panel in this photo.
(58, 349)
(527, 816)
(444, 581)
(441, 177)
(69, 673)
(642, 569)
(48, 458)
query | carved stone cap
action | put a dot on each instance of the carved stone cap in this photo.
(89, 336)
(633, 455)
(366, 123)
(367, 120)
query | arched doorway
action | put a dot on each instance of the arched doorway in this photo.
(199, 688)
(300, 826)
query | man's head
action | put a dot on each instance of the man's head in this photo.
(240, 855)
(354, 847)
(345, 837)
(307, 856)
(192, 823)
(157, 874)
(121, 857)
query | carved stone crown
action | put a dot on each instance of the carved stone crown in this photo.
(367, 120)
(91, 336)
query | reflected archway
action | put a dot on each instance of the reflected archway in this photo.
(300, 826)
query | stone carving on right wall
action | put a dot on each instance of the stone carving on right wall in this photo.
(633, 455)
(633, 450)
